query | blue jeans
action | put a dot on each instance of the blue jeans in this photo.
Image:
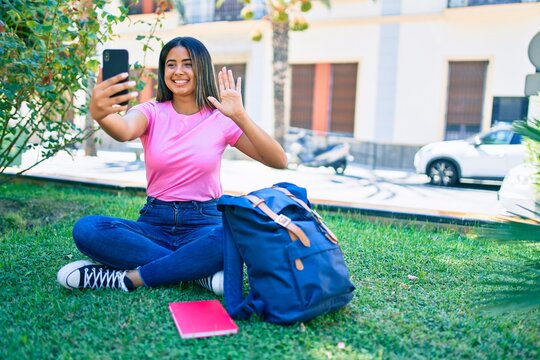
(171, 242)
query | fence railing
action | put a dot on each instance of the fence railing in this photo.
(464, 3)
(201, 11)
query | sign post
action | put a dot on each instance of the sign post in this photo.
(532, 89)
(532, 82)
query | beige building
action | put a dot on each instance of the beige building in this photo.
(387, 76)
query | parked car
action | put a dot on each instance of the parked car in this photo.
(517, 193)
(485, 156)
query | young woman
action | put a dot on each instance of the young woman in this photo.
(178, 236)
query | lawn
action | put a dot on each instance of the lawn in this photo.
(391, 316)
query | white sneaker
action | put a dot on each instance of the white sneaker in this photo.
(69, 275)
(83, 274)
(213, 283)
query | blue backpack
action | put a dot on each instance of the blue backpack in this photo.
(294, 265)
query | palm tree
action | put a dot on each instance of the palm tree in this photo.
(284, 16)
(519, 290)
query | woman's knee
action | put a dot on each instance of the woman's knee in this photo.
(215, 247)
(85, 229)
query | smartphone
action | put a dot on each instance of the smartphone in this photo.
(116, 61)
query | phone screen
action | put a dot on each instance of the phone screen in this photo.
(116, 61)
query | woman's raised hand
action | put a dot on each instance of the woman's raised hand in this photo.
(102, 103)
(230, 93)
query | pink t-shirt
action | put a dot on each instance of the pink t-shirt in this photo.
(182, 153)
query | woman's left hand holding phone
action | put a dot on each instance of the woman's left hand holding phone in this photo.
(102, 103)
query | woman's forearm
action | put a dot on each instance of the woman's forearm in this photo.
(116, 126)
(269, 151)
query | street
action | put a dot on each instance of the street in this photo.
(359, 187)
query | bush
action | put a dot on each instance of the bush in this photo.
(48, 56)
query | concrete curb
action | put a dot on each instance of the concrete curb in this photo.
(378, 212)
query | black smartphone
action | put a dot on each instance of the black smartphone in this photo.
(116, 61)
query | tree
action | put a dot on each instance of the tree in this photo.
(48, 54)
(519, 290)
(285, 16)
(48, 62)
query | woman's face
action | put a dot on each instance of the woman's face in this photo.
(178, 73)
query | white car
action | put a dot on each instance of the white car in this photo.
(486, 156)
(517, 193)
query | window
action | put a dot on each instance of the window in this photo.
(508, 109)
(343, 98)
(462, 3)
(466, 87)
(302, 95)
(229, 11)
(516, 139)
(324, 97)
(198, 11)
(501, 137)
(239, 70)
(460, 131)
(136, 7)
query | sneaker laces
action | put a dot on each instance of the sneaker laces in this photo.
(96, 277)
(213, 283)
(205, 282)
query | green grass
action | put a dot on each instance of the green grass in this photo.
(391, 316)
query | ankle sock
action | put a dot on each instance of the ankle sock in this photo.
(128, 284)
(213, 283)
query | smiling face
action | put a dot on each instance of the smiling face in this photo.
(186, 73)
(178, 73)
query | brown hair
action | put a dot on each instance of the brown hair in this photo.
(203, 70)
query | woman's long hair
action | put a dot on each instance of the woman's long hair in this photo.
(203, 71)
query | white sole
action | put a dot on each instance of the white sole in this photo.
(68, 270)
(217, 283)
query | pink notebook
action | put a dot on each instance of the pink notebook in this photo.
(202, 318)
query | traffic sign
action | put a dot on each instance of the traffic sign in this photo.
(532, 84)
(534, 51)
(532, 81)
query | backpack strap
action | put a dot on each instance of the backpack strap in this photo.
(237, 306)
(280, 219)
(328, 233)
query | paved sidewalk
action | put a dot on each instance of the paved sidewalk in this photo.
(395, 192)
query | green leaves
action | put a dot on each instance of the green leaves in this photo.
(530, 128)
(47, 50)
(517, 289)
(518, 230)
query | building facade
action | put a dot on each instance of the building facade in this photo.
(387, 76)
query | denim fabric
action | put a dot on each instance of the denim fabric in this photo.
(169, 243)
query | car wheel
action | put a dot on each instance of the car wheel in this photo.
(443, 172)
(340, 167)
